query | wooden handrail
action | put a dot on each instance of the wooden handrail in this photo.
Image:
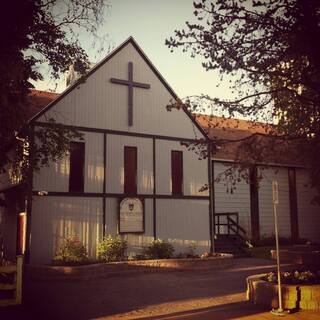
(16, 285)
(232, 224)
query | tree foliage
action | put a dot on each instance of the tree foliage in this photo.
(37, 33)
(270, 46)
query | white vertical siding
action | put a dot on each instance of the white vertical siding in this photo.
(93, 181)
(266, 204)
(135, 241)
(308, 213)
(237, 200)
(183, 221)
(56, 176)
(195, 171)
(56, 217)
(115, 163)
(101, 104)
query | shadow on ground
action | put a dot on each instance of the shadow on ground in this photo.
(217, 292)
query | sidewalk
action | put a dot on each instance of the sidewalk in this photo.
(218, 295)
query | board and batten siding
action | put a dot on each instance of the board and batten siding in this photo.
(98, 103)
(183, 221)
(195, 171)
(115, 163)
(308, 213)
(54, 218)
(56, 176)
(237, 201)
(136, 242)
(266, 202)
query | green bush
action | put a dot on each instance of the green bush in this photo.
(159, 249)
(112, 249)
(71, 251)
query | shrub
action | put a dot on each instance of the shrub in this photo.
(112, 249)
(71, 251)
(159, 249)
(191, 250)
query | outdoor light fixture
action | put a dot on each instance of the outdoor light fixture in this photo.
(42, 193)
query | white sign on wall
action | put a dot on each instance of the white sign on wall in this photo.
(131, 216)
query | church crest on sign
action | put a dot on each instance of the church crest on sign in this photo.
(131, 216)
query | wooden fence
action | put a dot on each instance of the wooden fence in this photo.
(11, 280)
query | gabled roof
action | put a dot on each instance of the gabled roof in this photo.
(107, 58)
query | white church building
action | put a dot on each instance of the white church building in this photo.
(132, 175)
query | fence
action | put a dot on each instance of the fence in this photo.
(11, 280)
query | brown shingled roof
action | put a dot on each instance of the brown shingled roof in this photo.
(37, 101)
(232, 130)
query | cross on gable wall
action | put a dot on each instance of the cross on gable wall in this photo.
(131, 84)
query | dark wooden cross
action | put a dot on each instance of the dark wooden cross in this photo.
(131, 84)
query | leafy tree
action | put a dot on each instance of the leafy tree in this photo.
(38, 35)
(270, 47)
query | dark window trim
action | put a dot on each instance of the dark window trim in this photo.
(254, 204)
(294, 222)
(71, 174)
(116, 195)
(121, 133)
(125, 186)
(181, 186)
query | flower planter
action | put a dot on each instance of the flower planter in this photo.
(105, 270)
(305, 258)
(305, 297)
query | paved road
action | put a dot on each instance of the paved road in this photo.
(216, 295)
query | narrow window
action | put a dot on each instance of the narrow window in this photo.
(177, 172)
(254, 204)
(293, 204)
(76, 178)
(130, 170)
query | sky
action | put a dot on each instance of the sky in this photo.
(150, 22)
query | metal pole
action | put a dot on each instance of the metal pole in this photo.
(278, 256)
(275, 196)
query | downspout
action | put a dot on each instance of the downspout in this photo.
(211, 198)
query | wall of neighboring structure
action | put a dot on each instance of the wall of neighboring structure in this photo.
(266, 204)
(228, 199)
(308, 213)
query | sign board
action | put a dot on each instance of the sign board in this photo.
(275, 192)
(131, 216)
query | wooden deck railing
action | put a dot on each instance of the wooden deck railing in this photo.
(15, 285)
(227, 223)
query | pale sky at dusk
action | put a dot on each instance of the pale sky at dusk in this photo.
(150, 22)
